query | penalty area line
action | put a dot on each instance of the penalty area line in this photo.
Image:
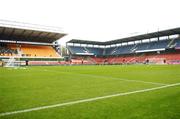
(87, 100)
(98, 76)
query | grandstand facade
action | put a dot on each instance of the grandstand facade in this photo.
(162, 47)
(28, 42)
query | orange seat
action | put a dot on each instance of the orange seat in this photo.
(38, 51)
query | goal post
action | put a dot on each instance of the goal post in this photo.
(12, 62)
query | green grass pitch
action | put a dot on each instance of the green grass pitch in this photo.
(37, 86)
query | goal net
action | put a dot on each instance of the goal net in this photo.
(11, 62)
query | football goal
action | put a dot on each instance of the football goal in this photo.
(11, 62)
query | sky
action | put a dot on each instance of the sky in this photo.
(97, 20)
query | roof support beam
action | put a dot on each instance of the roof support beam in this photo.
(29, 35)
(11, 34)
(3, 31)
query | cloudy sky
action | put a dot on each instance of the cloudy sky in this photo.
(99, 20)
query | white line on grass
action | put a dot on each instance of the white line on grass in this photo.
(98, 76)
(87, 100)
(123, 79)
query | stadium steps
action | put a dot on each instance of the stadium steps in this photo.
(86, 50)
(91, 60)
(133, 49)
(104, 52)
(58, 53)
(113, 59)
(19, 52)
(171, 43)
(70, 50)
(114, 51)
(133, 59)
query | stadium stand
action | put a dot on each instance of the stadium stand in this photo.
(79, 50)
(37, 46)
(177, 44)
(85, 50)
(38, 51)
(157, 47)
(30, 43)
(7, 51)
(95, 51)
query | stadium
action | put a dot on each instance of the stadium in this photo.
(161, 47)
(134, 77)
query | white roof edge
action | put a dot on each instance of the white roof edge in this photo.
(160, 49)
(28, 26)
(84, 53)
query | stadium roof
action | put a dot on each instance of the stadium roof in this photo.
(15, 31)
(85, 42)
(132, 38)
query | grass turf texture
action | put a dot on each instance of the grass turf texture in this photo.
(40, 86)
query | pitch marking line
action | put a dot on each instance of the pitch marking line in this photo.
(123, 79)
(86, 100)
(97, 76)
